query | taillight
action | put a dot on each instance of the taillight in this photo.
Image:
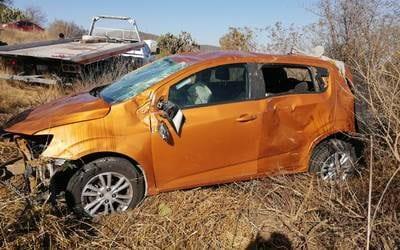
(13, 62)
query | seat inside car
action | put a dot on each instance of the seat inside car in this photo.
(224, 89)
(277, 81)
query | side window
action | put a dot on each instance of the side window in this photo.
(321, 76)
(287, 79)
(227, 83)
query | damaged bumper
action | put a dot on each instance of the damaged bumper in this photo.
(38, 171)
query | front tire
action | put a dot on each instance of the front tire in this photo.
(334, 160)
(105, 186)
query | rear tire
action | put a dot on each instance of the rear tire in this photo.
(334, 160)
(103, 186)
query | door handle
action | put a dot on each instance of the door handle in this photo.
(246, 118)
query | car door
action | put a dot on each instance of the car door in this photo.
(298, 110)
(219, 139)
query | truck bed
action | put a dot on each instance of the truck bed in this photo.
(69, 50)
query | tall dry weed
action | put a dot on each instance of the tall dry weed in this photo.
(16, 37)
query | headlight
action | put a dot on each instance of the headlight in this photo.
(36, 143)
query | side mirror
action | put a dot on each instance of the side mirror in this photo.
(172, 113)
(164, 132)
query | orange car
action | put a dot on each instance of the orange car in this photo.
(191, 120)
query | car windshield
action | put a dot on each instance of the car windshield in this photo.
(139, 80)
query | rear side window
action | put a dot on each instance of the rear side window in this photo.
(321, 76)
(287, 79)
(223, 84)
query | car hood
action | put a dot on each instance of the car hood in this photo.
(70, 109)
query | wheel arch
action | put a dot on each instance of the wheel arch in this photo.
(97, 155)
(341, 135)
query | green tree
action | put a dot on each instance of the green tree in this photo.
(171, 44)
(238, 39)
(8, 14)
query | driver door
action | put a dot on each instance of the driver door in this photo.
(219, 138)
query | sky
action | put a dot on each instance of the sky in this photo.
(206, 20)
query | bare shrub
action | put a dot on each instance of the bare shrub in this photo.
(366, 31)
(35, 14)
(365, 35)
(69, 29)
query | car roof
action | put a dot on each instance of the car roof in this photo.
(231, 55)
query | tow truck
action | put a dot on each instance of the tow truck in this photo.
(63, 60)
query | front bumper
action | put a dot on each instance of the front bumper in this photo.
(37, 171)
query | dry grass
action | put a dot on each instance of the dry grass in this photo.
(16, 97)
(298, 211)
(16, 37)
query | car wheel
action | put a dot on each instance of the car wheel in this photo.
(333, 160)
(105, 186)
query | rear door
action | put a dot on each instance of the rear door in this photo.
(298, 109)
(220, 136)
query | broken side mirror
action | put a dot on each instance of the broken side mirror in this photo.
(173, 114)
(164, 132)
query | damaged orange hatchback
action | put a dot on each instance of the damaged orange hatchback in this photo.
(191, 120)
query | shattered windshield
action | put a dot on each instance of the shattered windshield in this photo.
(139, 80)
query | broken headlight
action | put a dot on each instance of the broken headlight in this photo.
(36, 144)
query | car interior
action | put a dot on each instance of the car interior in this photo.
(216, 85)
(287, 79)
(229, 83)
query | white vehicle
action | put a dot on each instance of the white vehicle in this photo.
(141, 55)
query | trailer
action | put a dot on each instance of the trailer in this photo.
(63, 60)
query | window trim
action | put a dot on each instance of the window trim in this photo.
(304, 66)
(249, 87)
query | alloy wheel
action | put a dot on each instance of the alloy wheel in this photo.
(106, 193)
(338, 166)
